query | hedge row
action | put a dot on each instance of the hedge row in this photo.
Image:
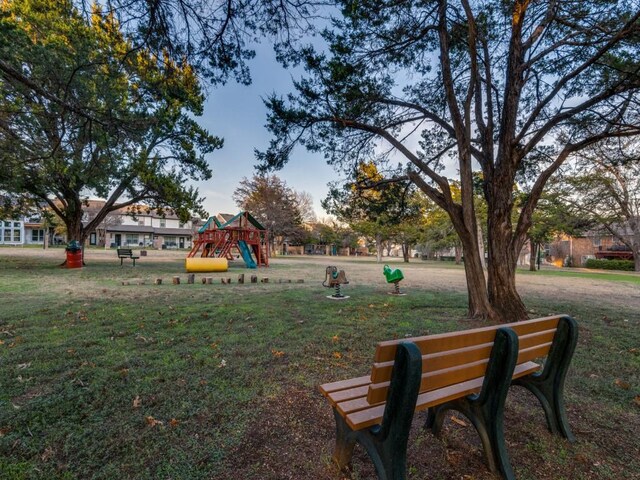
(626, 265)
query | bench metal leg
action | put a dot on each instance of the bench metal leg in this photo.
(548, 385)
(486, 409)
(345, 441)
(386, 444)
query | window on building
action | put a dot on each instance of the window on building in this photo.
(132, 238)
(16, 235)
(596, 241)
(37, 236)
(93, 239)
(170, 240)
(7, 235)
(163, 222)
(141, 222)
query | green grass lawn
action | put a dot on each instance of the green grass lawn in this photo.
(101, 380)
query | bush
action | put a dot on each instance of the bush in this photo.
(626, 265)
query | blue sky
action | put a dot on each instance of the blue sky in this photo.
(237, 114)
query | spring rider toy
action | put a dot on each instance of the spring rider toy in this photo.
(393, 276)
(333, 279)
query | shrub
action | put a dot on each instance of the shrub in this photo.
(626, 265)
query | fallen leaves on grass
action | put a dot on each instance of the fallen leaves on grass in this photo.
(277, 353)
(636, 400)
(223, 363)
(174, 422)
(622, 384)
(22, 366)
(455, 419)
(335, 338)
(337, 355)
(137, 402)
(47, 454)
(4, 431)
(152, 422)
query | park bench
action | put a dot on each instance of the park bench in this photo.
(469, 371)
(126, 253)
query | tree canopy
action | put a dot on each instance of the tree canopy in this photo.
(509, 89)
(214, 37)
(58, 156)
(603, 187)
(371, 207)
(274, 204)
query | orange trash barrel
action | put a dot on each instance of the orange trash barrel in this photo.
(74, 259)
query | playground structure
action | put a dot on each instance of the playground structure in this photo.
(217, 239)
(334, 278)
(393, 276)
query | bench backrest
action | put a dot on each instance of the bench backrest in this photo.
(455, 357)
(125, 251)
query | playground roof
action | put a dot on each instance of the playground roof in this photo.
(248, 216)
(230, 220)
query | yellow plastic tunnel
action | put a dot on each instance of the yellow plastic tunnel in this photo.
(207, 264)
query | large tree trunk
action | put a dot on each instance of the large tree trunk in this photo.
(405, 251)
(379, 247)
(501, 272)
(533, 255)
(481, 246)
(458, 254)
(479, 305)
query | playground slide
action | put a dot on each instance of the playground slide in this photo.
(246, 254)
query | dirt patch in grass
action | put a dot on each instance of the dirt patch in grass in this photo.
(292, 437)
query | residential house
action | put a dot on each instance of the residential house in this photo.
(23, 231)
(144, 227)
(598, 243)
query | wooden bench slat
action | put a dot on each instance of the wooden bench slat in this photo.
(342, 395)
(534, 352)
(359, 416)
(327, 388)
(381, 372)
(434, 380)
(386, 351)
(537, 338)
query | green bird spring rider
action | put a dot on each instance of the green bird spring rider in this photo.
(393, 276)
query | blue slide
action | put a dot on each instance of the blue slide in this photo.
(246, 254)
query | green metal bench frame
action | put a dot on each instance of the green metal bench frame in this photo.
(386, 443)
